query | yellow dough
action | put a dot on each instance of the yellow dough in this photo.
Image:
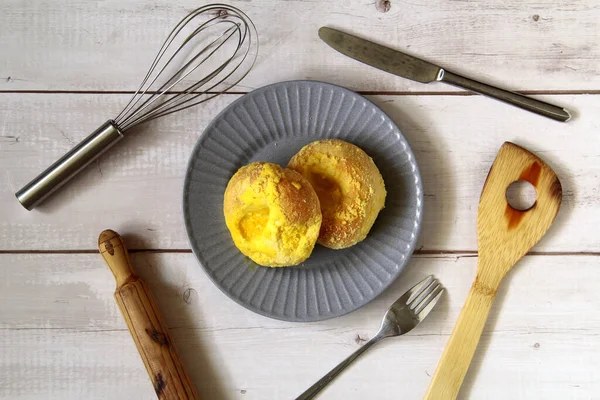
(272, 213)
(349, 186)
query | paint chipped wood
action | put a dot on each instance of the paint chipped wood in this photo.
(524, 45)
(454, 139)
(64, 332)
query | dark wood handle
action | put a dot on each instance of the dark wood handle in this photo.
(145, 322)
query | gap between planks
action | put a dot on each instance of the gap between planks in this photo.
(441, 253)
(486, 333)
(362, 92)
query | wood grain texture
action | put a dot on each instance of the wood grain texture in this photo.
(146, 323)
(504, 236)
(72, 45)
(62, 331)
(455, 140)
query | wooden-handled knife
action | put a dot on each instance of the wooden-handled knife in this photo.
(145, 323)
(410, 67)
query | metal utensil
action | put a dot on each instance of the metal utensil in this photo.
(413, 68)
(208, 52)
(402, 316)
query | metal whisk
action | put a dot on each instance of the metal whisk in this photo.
(208, 52)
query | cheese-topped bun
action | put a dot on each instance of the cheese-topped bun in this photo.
(350, 188)
(272, 213)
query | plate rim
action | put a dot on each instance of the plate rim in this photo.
(320, 317)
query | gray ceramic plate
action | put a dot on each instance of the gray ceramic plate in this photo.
(271, 124)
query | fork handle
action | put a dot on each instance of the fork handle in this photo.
(453, 366)
(324, 381)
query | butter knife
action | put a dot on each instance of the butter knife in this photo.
(413, 68)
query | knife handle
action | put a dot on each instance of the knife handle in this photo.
(526, 103)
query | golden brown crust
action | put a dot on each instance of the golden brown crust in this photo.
(349, 186)
(298, 199)
(272, 213)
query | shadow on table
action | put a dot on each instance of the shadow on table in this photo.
(194, 351)
(431, 154)
(187, 337)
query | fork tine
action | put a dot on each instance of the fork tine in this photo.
(427, 295)
(429, 302)
(424, 293)
(414, 291)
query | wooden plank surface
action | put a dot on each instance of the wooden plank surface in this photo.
(108, 46)
(65, 69)
(145, 172)
(63, 335)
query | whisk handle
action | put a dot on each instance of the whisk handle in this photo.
(69, 165)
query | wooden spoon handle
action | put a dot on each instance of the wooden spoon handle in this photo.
(145, 323)
(453, 365)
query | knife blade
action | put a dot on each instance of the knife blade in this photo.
(380, 57)
(413, 68)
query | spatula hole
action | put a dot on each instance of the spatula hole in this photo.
(521, 195)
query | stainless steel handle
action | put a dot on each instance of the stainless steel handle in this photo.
(526, 103)
(69, 165)
(324, 381)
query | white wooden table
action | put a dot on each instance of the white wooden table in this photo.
(66, 67)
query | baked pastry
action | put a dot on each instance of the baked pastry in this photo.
(350, 188)
(272, 213)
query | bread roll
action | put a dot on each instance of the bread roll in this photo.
(272, 213)
(350, 188)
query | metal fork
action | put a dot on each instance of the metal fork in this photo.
(402, 316)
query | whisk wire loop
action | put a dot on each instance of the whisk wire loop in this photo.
(238, 31)
(189, 69)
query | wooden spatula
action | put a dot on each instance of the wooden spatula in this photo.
(145, 322)
(504, 236)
